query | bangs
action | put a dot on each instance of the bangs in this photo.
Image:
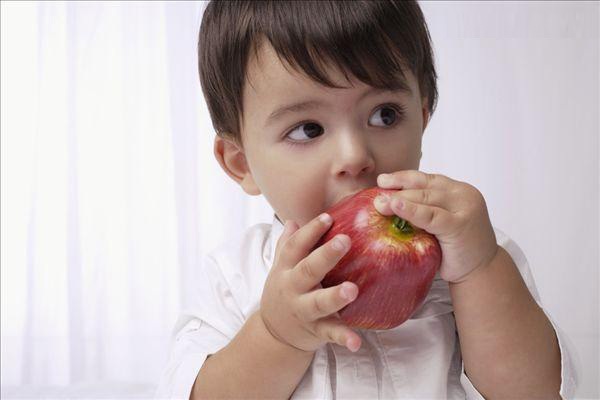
(376, 42)
(359, 38)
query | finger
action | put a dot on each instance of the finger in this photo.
(302, 241)
(313, 268)
(431, 197)
(321, 303)
(413, 179)
(434, 220)
(334, 330)
(288, 229)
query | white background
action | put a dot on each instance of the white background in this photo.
(518, 118)
(110, 192)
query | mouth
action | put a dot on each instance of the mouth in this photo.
(349, 194)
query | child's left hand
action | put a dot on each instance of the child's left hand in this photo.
(455, 212)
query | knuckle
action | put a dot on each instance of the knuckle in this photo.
(436, 222)
(470, 189)
(296, 310)
(476, 195)
(318, 307)
(447, 275)
(338, 299)
(331, 335)
(325, 331)
(430, 178)
(426, 195)
(431, 217)
(320, 331)
(443, 178)
(479, 196)
(306, 267)
(290, 243)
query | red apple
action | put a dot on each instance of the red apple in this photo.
(392, 262)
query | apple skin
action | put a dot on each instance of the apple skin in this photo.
(392, 262)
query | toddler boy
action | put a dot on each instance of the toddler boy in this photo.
(311, 102)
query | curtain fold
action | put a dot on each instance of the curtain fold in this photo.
(110, 191)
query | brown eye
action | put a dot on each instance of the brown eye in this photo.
(387, 115)
(309, 130)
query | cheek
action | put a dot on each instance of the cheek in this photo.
(302, 192)
(398, 152)
(295, 190)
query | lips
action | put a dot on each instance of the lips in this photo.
(349, 194)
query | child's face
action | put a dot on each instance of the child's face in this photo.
(348, 142)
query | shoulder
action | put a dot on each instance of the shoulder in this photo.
(238, 267)
(242, 245)
(230, 276)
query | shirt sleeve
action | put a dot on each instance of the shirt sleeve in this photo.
(202, 329)
(567, 349)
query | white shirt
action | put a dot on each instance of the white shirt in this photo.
(421, 358)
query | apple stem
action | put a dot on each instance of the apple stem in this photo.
(402, 225)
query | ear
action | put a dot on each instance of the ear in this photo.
(232, 159)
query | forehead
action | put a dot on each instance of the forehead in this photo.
(271, 80)
(267, 75)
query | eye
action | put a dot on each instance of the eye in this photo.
(310, 129)
(387, 115)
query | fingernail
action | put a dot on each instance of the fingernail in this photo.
(383, 179)
(352, 347)
(325, 218)
(382, 200)
(349, 291)
(340, 243)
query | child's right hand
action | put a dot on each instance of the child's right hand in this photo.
(294, 306)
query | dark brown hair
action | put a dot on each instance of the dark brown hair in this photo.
(373, 40)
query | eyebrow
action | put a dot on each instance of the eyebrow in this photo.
(313, 104)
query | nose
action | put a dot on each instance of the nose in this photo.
(352, 155)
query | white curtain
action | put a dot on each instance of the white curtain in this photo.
(110, 192)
